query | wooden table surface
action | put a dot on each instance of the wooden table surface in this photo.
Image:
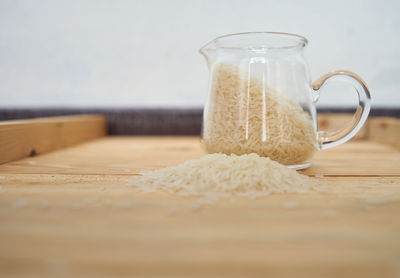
(70, 213)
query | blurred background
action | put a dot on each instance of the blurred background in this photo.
(144, 53)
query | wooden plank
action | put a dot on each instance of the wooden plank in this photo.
(24, 138)
(385, 130)
(70, 213)
(96, 226)
(128, 155)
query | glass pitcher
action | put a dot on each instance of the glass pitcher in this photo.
(261, 99)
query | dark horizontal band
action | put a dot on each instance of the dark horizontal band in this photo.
(162, 121)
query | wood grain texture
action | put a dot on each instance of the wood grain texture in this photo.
(385, 130)
(130, 155)
(22, 138)
(69, 213)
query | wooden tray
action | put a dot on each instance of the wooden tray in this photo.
(69, 213)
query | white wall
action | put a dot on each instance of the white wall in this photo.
(145, 53)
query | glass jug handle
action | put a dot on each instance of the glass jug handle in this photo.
(328, 140)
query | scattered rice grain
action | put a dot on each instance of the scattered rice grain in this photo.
(124, 204)
(372, 182)
(172, 211)
(91, 200)
(45, 204)
(290, 205)
(78, 205)
(330, 213)
(387, 193)
(377, 201)
(19, 204)
(197, 207)
(368, 208)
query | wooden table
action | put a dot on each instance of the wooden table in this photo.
(70, 213)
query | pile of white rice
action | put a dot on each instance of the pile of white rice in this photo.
(218, 175)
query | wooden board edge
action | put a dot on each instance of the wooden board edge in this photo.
(23, 138)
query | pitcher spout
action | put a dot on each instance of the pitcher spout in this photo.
(209, 52)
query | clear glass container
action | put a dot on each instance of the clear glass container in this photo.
(261, 99)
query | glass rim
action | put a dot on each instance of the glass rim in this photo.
(299, 41)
